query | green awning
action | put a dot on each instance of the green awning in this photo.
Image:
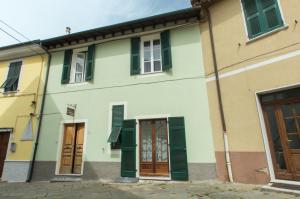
(114, 135)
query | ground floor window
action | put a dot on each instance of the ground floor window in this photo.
(72, 149)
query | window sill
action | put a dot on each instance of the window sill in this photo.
(155, 74)
(267, 34)
(77, 84)
(10, 92)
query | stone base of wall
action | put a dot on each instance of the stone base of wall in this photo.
(15, 171)
(202, 171)
(45, 171)
(247, 167)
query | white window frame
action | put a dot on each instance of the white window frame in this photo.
(73, 65)
(150, 38)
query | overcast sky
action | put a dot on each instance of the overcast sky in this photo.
(41, 19)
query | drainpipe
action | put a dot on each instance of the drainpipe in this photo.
(31, 166)
(221, 109)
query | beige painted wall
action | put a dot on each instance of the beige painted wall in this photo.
(277, 54)
(234, 51)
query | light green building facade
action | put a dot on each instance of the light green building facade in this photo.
(179, 92)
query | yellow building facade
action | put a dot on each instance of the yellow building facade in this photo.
(22, 72)
(259, 75)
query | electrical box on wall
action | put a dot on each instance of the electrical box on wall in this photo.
(13, 147)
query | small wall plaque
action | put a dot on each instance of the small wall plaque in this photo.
(71, 109)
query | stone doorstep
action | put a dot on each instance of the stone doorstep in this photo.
(66, 179)
(280, 190)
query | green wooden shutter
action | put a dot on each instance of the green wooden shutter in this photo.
(135, 56)
(271, 14)
(261, 16)
(89, 72)
(65, 77)
(166, 50)
(117, 122)
(178, 155)
(253, 19)
(12, 80)
(128, 147)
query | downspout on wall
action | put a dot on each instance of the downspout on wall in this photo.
(32, 162)
(204, 4)
(221, 109)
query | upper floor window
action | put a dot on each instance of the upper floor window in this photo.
(78, 65)
(261, 16)
(151, 54)
(12, 80)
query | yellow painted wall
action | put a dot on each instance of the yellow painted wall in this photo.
(16, 107)
(234, 51)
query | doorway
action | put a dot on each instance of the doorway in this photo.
(154, 150)
(4, 140)
(72, 149)
(282, 118)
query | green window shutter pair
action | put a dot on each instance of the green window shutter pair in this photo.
(12, 80)
(89, 71)
(135, 68)
(178, 154)
(261, 16)
(117, 121)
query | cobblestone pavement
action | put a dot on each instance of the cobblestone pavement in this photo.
(86, 190)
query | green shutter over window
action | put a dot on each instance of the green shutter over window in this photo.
(135, 56)
(117, 122)
(12, 80)
(128, 146)
(271, 14)
(178, 155)
(89, 72)
(261, 16)
(65, 77)
(166, 50)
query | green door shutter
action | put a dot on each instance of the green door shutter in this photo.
(128, 147)
(65, 77)
(178, 156)
(135, 56)
(166, 50)
(253, 19)
(271, 14)
(89, 72)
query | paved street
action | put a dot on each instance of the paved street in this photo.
(86, 190)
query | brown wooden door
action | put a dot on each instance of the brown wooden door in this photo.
(282, 120)
(154, 153)
(289, 116)
(4, 139)
(72, 148)
(78, 148)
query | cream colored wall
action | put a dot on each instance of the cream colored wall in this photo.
(234, 51)
(16, 107)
